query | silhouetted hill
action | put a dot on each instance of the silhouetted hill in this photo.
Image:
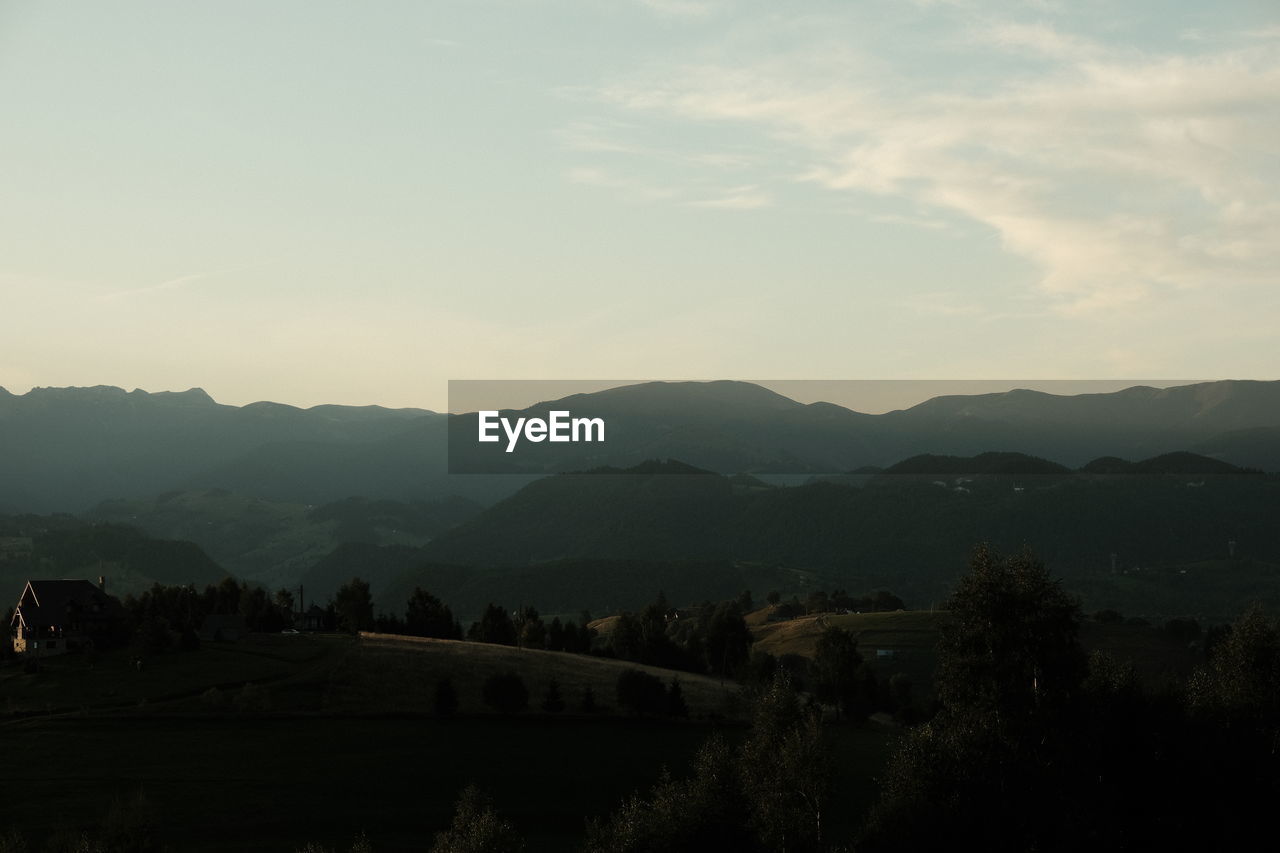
(65, 547)
(1180, 462)
(1258, 447)
(275, 542)
(732, 427)
(908, 534)
(597, 585)
(983, 463)
(69, 448)
(66, 449)
(660, 510)
(379, 565)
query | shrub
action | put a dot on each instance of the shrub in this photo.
(641, 692)
(505, 693)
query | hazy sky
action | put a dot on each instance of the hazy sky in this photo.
(353, 203)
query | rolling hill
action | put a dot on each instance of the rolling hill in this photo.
(910, 534)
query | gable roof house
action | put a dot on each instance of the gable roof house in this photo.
(56, 616)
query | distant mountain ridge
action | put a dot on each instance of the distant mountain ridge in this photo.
(66, 449)
(732, 427)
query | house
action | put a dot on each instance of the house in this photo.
(313, 619)
(57, 616)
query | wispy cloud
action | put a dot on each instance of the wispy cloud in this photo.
(681, 8)
(1039, 39)
(911, 221)
(182, 281)
(595, 137)
(1119, 173)
(1264, 33)
(628, 189)
(737, 198)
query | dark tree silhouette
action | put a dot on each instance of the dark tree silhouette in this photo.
(641, 692)
(495, 626)
(446, 698)
(676, 706)
(505, 693)
(838, 675)
(354, 606)
(428, 616)
(553, 703)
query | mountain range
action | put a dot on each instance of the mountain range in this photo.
(67, 449)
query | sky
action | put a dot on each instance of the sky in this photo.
(315, 202)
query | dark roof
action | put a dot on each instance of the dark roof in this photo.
(54, 602)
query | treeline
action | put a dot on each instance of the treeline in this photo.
(1034, 745)
(524, 627)
(167, 616)
(507, 693)
(838, 601)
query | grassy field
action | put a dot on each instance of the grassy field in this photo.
(343, 741)
(293, 667)
(901, 641)
(911, 637)
(399, 674)
(336, 674)
(346, 747)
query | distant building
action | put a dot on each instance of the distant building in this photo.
(57, 616)
(314, 619)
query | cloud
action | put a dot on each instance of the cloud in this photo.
(628, 189)
(912, 221)
(1119, 174)
(681, 8)
(180, 282)
(595, 137)
(1038, 39)
(738, 198)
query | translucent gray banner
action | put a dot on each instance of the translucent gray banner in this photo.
(780, 430)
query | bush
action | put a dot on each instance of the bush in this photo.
(676, 706)
(505, 693)
(446, 699)
(641, 692)
(553, 703)
(477, 828)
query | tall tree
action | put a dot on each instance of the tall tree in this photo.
(1010, 677)
(1011, 647)
(728, 640)
(495, 626)
(838, 675)
(1241, 683)
(428, 616)
(354, 606)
